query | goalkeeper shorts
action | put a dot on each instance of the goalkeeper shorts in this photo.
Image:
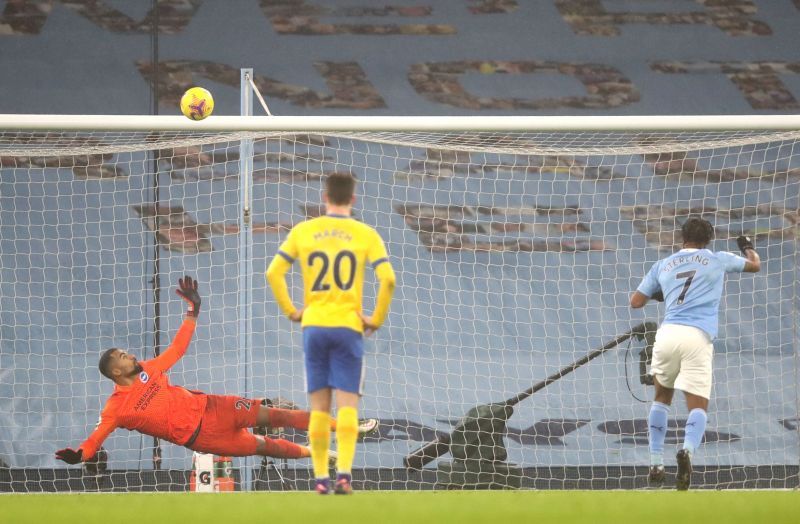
(334, 359)
(682, 358)
(223, 429)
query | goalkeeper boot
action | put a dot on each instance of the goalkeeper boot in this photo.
(322, 486)
(684, 476)
(367, 427)
(656, 476)
(343, 486)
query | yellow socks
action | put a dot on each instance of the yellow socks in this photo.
(346, 437)
(319, 437)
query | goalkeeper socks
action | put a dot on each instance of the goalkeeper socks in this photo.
(695, 429)
(291, 418)
(280, 448)
(346, 437)
(319, 439)
(288, 418)
(657, 432)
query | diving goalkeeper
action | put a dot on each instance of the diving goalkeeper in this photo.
(145, 401)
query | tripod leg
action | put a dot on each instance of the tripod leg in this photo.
(262, 474)
(288, 486)
(283, 480)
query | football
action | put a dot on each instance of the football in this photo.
(197, 103)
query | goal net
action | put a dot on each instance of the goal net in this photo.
(515, 254)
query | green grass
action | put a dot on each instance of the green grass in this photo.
(617, 507)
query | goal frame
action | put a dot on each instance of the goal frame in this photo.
(322, 124)
(366, 124)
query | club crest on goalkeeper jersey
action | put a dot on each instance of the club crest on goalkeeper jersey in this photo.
(152, 405)
(333, 251)
(692, 282)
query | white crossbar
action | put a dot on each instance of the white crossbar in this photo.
(321, 124)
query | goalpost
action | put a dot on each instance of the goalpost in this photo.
(516, 242)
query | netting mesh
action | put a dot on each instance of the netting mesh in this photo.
(57, 143)
(515, 255)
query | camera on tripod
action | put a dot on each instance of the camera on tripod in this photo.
(646, 355)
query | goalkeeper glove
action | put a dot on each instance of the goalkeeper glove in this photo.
(69, 455)
(658, 296)
(187, 290)
(744, 244)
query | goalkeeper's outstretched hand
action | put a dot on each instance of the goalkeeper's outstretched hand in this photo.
(69, 455)
(187, 290)
(744, 244)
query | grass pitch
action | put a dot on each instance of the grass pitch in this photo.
(374, 507)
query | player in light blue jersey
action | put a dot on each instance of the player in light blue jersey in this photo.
(690, 284)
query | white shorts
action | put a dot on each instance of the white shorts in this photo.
(682, 357)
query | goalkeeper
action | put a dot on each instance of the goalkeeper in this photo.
(145, 401)
(690, 283)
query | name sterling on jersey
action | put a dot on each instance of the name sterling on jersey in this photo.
(678, 261)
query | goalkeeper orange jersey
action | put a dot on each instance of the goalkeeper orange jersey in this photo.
(152, 405)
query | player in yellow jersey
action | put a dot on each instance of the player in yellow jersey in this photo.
(333, 252)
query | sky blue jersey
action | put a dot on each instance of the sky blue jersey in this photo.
(692, 281)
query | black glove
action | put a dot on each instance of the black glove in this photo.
(658, 296)
(187, 290)
(69, 455)
(744, 244)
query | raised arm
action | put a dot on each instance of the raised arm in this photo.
(753, 264)
(187, 290)
(178, 347)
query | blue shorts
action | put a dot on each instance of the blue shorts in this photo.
(334, 358)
